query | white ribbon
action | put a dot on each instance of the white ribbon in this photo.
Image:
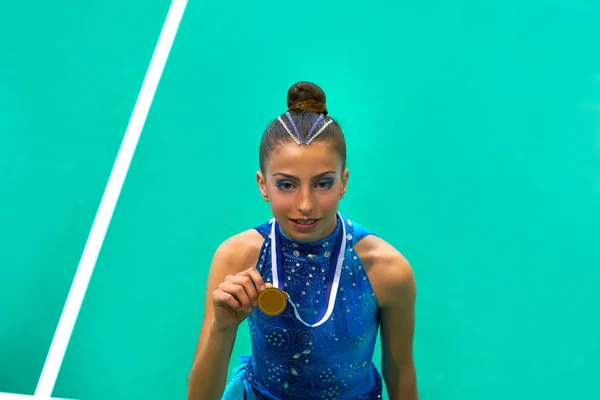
(334, 285)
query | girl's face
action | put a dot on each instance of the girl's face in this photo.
(304, 185)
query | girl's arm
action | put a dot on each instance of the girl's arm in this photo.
(397, 329)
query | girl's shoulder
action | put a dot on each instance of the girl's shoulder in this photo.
(385, 265)
(239, 251)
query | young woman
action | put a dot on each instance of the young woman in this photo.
(342, 283)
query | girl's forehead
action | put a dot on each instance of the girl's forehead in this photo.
(299, 160)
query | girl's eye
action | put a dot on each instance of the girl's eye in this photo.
(285, 185)
(325, 184)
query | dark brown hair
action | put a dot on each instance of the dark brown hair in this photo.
(306, 103)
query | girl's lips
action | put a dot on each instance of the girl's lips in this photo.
(301, 224)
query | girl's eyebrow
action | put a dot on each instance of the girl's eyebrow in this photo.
(296, 178)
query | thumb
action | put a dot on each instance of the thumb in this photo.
(268, 285)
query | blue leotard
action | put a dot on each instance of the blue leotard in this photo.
(292, 360)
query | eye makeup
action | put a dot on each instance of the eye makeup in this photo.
(327, 181)
(286, 185)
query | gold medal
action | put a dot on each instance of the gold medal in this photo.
(272, 301)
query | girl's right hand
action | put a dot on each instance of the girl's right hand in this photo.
(236, 297)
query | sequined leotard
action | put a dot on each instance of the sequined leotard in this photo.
(292, 360)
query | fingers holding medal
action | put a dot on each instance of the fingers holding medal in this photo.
(270, 300)
(237, 296)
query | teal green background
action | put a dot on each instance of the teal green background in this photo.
(473, 133)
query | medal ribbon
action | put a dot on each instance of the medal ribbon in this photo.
(332, 283)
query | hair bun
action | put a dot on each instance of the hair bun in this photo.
(306, 96)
